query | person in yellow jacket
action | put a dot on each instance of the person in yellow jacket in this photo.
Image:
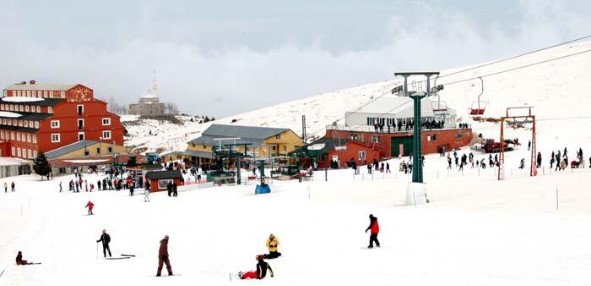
(272, 244)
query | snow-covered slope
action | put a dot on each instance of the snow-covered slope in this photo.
(555, 82)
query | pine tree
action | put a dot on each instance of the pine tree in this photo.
(41, 166)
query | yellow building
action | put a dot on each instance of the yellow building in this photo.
(260, 142)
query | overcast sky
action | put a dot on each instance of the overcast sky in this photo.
(220, 58)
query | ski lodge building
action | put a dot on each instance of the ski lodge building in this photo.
(261, 142)
(44, 117)
(386, 125)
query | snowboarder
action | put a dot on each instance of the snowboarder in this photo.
(90, 206)
(105, 239)
(272, 244)
(20, 261)
(163, 257)
(375, 229)
(261, 271)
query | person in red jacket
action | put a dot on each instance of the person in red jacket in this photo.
(261, 271)
(375, 229)
(90, 206)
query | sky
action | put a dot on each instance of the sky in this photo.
(221, 58)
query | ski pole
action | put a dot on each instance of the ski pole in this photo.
(97, 250)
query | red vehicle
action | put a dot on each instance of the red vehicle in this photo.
(492, 146)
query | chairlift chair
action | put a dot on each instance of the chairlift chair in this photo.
(478, 107)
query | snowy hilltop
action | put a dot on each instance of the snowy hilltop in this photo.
(554, 81)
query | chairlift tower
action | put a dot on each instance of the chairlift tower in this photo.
(417, 164)
(533, 171)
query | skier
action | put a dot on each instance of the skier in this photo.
(163, 257)
(90, 206)
(375, 229)
(522, 163)
(60, 187)
(105, 239)
(261, 271)
(272, 244)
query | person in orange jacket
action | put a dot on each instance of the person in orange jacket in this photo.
(375, 229)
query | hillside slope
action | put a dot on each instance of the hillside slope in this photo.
(555, 82)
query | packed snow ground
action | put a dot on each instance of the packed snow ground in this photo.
(475, 231)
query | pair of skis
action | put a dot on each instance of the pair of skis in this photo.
(123, 256)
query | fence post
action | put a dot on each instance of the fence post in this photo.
(556, 199)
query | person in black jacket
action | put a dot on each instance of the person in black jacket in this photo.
(105, 239)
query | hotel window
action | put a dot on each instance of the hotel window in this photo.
(45, 93)
(55, 124)
(28, 93)
(9, 121)
(21, 108)
(50, 109)
(98, 150)
(34, 154)
(28, 137)
(18, 136)
(20, 123)
(80, 109)
(1, 134)
(80, 123)
(34, 138)
(63, 94)
(26, 108)
(51, 94)
(106, 135)
(375, 139)
(55, 138)
(30, 153)
(26, 123)
(432, 137)
(2, 106)
(11, 107)
(38, 109)
(106, 121)
(18, 152)
(37, 124)
(278, 136)
(4, 121)
(11, 135)
(110, 149)
(13, 151)
(80, 136)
